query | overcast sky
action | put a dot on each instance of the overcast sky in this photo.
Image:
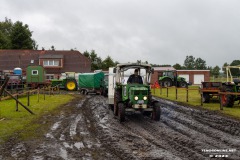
(157, 31)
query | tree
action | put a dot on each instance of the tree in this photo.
(192, 63)
(223, 68)
(215, 71)
(177, 66)
(5, 31)
(86, 54)
(189, 62)
(235, 71)
(108, 62)
(200, 64)
(21, 36)
(16, 36)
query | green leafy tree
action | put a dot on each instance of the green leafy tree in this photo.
(235, 71)
(177, 66)
(108, 62)
(189, 62)
(200, 64)
(21, 36)
(216, 71)
(223, 68)
(5, 31)
(86, 54)
(16, 36)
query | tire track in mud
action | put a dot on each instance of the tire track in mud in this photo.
(87, 129)
(203, 126)
(181, 134)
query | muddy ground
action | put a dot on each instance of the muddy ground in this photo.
(87, 129)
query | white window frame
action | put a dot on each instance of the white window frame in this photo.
(34, 73)
(52, 63)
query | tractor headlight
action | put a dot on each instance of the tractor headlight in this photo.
(136, 98)
(145, 98)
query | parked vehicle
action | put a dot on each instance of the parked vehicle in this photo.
(15, 82)
(67, 82)
(36, 77)
(92, 83)
(132, 97)
(209, 90)
(232, 85)
(170, 78)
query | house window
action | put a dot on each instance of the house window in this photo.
(51, 63)
(34, 72)
(49, 76)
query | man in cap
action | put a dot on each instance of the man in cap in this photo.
(135, 78)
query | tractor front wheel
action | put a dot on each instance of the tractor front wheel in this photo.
(121, 112)
(71, 85)
(117, 98)
(183, 84)
(156, 111)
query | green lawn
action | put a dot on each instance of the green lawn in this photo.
(12, 121)
(194, 99)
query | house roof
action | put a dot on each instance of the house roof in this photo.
(73, 60)
(164, 68)
(52, 56)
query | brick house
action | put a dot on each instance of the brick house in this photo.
(54, 62)
(193, 76)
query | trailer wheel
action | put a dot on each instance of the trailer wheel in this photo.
(121, 112)
(206, 98)
(156, 111)
(71, 85)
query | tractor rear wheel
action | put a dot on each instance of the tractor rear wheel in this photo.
(227, 100)
(71, 85)
(167, 83)
(121, 112)
(156, 111)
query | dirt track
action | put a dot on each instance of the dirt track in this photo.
(87, 129)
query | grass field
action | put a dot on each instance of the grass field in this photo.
(12, 121)
(194, 99)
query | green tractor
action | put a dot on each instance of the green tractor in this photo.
(232, 85)
(170, 78)
(132, 97)
(67, 81)
(228, 100)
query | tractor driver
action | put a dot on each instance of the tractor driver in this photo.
(135, 78)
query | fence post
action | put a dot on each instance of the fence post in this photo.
(167, 91)
(176, 92)
(221, 106)
(187, 94)
(38, 93)
(28, 99)
(44, 94)
(17, 101)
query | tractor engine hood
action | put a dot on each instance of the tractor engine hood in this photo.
(138, 95)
